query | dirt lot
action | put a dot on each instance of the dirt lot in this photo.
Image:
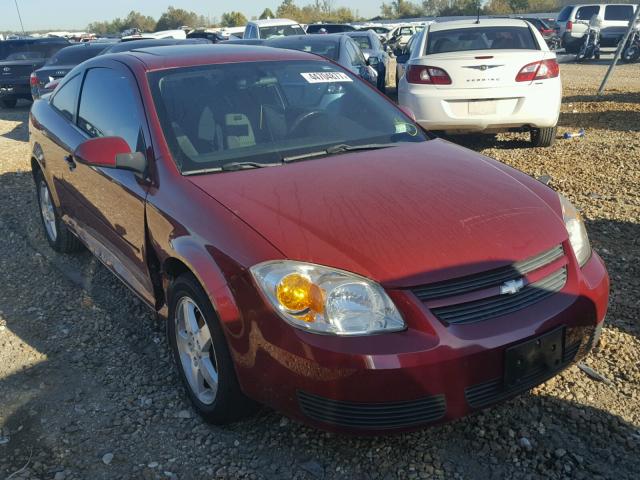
(87, 389)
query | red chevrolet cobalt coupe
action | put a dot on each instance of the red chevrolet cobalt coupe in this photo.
(311, 248)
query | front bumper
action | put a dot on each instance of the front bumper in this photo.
(530, 105)
(426, 374)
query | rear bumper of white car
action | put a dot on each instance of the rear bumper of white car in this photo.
(488, 110)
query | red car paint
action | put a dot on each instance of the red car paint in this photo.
(404, 217)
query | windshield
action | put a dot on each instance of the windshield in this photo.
(268, 112)
(280, 31)
(74, 55)
(27, 50)
(480, 38)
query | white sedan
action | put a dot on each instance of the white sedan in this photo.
(485, 76)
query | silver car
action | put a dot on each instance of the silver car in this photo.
(375, 54)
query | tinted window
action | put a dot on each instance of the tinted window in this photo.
(75, 55)
(355, 55)
(266, 111)
(328, 48)
(280, 31)
(108, 107)
(618, 12)
(66, 98)
(564, 14)
(330, 28)
(363, 42)
(28, 50)
(585, 13)
(481, 38)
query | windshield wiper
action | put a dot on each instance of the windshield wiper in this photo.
(342, 147)
(233, 166)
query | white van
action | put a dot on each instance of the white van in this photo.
(274, 27)
(573, 22)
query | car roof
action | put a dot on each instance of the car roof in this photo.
(471, 22)
(54, 40)
(152, 42)
(307, 39)
(273, 22)
(176, 56)
(360, 33)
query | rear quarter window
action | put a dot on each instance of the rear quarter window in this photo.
(66, 98)
(585, 13)
(618, 12)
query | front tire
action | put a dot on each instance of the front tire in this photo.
(202, 356)
(630, 54)
(543, 137)
(56, 232)
(9, 102)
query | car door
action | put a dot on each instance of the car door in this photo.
(62, 138)
(110, 203)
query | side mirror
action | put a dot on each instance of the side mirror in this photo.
(110, 152)
(408, 112)
(373, 61)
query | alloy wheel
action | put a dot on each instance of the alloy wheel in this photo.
(48, 212)
(196, 351)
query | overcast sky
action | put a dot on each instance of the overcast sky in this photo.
(76, 14)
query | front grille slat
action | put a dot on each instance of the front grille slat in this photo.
(456, 286)
(372, 415)
(496, 305)
(504, 304)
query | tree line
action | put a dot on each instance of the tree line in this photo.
(321, 11)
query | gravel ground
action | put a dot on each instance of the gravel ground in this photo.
(87, 388)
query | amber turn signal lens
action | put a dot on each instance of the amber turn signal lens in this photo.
(297, 293)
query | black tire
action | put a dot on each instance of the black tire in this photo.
(229, 403)
(9, 102)
(630, 54)
(63, 240)
(543, 137)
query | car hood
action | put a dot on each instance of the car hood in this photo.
(403, 216)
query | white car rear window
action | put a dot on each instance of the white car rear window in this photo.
(480, 38)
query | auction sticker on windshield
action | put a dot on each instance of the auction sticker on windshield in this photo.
(326, 77)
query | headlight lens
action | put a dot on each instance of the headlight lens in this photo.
(326, 300)
(577, 231)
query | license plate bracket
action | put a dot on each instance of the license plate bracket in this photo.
(534, 358)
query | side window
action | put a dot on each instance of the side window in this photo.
(253, 31)
(65, 100)
(618, 12)
(356, 56)
(585, 13)
(108, 107)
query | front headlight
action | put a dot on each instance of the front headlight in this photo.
(326, 300)
(577, 231)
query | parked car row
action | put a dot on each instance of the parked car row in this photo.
(310, 246)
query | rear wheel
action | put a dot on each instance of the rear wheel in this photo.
(9, 102)
(56, 232)
(202, 355)
(630, 54)
(543, 137)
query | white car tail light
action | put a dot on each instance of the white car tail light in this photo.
(538, 71)
(427, 75)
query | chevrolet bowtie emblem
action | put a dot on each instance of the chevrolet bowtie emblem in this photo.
(483, 67)
(512, 286)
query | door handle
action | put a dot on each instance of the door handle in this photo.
(70, 162)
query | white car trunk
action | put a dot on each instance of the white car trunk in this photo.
(483, 68)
